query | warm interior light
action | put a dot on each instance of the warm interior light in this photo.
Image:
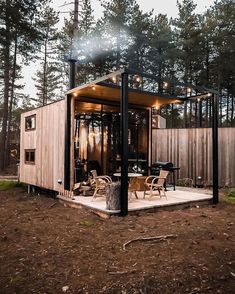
(189, 90)
(137, 79)
(156, 107)
(208, 94)
(75, 94)
(198, 99)
(114, 79)
(165, 84)
(93, 88)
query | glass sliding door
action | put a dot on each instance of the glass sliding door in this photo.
(97, 139)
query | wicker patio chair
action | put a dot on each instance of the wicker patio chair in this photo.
(156, 183)
(100, 184)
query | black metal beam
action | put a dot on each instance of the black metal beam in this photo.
(99, 80)
(124, 145)
(174, 82)
(215, 149)
(67, 143)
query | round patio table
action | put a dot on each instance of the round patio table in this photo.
(130, 175)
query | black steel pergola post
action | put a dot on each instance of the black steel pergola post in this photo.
(72, 73)
(215, 149)
(67, 144)
(124, 145)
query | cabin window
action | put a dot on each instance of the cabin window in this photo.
(30, 122)
(29, 156)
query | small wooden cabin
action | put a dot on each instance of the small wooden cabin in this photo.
(62, 141)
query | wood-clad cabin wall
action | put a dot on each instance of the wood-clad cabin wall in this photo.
(48, 141)
(191, 150)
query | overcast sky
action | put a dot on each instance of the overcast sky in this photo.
(165, 7)
(160, 6)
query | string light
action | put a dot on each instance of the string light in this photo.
(165, 84)
(156, 106)
(137, 79)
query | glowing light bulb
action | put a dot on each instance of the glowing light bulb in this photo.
(156, 106)
(93, 88)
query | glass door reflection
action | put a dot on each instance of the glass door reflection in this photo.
(97, 139)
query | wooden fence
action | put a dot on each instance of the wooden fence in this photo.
(191, 150)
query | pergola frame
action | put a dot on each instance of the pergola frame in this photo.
(124, 73)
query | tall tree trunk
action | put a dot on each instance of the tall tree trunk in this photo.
(227, 109)
(6, 56)
(172, 119)
(11, 102)
(221, 110)
(185, 113)
(207, 62)
(190, 113)
(44, 94)
(118, 49)
(210, 113)
(200, 123)
(196, 115)
(232, 112)
(207, 114)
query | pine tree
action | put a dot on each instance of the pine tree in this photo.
(18, 34)
(138, 28)
(162, 50)
(187, 35)
(223, 72)
(86, 37)
(114, 25)
(48, 78)
(80, 39)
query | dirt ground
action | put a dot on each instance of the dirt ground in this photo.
(47, 248)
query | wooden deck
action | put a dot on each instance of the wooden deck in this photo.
(175, 200)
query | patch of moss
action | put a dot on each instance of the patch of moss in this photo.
(7, 185)
(86, 223)
(230, 195)
(184, 182)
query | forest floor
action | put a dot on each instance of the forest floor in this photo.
(48, 248)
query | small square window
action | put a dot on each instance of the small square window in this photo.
(30, 122)
(29, 156)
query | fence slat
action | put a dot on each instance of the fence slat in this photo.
(191, 150)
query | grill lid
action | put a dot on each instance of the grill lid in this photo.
(167, 165)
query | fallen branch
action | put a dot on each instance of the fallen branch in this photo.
(53, 204)
(159, 238)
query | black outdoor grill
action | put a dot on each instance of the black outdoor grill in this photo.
(168, 166)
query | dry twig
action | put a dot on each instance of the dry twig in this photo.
(53, 204)
(159, 238)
